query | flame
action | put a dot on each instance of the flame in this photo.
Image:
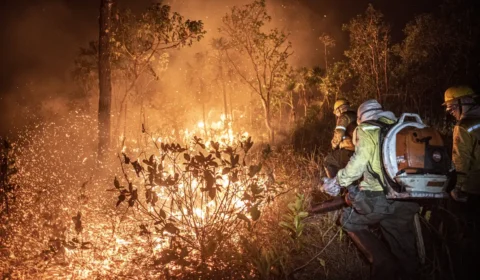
(117, 242)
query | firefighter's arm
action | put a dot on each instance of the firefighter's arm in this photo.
(359, 160)
(339, 132)
(461, 154)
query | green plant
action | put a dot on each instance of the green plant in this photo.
(293, 220)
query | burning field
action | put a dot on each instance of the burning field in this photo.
(186, 140)
(214, 206)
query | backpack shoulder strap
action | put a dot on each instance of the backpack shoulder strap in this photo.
(384, 127)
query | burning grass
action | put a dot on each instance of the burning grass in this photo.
(216, 206)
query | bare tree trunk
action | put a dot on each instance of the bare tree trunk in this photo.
(268, 124)
(326, 65)
(225, 108)
(104, 77)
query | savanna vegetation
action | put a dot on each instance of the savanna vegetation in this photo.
(211, 170)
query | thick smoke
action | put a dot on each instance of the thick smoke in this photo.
(42, 38)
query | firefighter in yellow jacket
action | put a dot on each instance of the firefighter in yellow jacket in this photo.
(370, 205)
(461, 102)
(342, 142)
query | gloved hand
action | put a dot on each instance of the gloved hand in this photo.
(458, 195)
(350, 194)
(330, 186)
(335, 144)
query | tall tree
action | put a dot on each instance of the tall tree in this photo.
(104, 77)
(369, 53)
(140, 48)
(440, 49)
(327, 42)
(265, 54)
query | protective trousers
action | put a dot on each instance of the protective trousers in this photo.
(395, 219)
(465, 244)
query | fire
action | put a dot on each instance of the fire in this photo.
(118, 237)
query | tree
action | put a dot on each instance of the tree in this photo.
(327, 42)
(139, 46)
(438, 51)
(368, 54)
(265, 54)
(219, 46)
(104, 77)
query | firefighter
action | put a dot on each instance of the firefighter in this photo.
(369, 205)
(461, 102)
(342, 143)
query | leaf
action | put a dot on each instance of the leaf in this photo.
(254, 169)
(121, 198)
(254, 212)
(210, 180)
(322, 262)
(148, 195)
(138, 168)
(127, 159)
(69, 245)
(154, 198)
(247, 197)
(234, 177)
(116, 183)
(303, 214)
(255, 189)
(243, 217)
(163, 215)
(286, 226)
(171, 228)
(186, 156)
(226, 170)
(212, 193)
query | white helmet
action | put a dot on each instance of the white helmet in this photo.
(367, 109)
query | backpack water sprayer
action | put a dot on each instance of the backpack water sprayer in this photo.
(415, 160)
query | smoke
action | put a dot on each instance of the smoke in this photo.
(41, 42)
(302, 20)
(41, 39)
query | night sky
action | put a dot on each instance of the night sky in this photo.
(40, 39)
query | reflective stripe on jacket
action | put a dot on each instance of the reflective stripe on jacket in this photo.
(466, 154)
(366, 160)
(345, 125)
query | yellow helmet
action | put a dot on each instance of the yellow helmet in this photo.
(454, 93)
(340, 102)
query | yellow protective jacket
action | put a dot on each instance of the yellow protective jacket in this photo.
(343, 134)
(366, 160)
(466, 154)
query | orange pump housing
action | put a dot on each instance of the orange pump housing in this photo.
(415, 149)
